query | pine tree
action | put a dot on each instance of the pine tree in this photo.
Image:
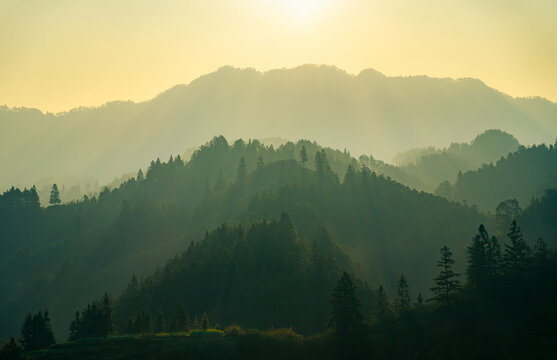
(34, 200)
(350, 176)
(140, 176)
(107, 326)
(242, 171)
(304, 155)
(180, 321)
(446, 283)
(11, 350)
(160, 325)
(541, 252)
(260, 163)
(419, 299)
(383, 307)
(36, 332)
(346, 318)
(54, 195)
(517, 253)
(403, 297)
(204, 321)
(477, 267)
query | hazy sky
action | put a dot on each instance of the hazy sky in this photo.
(59, 54)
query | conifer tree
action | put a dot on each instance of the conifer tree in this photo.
(204, 321)
(477, 265)
(383, 307)
(54, 195)
(304, 156)
(140, 176)
(74, 327)
(242, 171)
(419, 299)
(346, 318)
(34, 200)
(160, 325)
(260, 162)
(11, 350)
(403, 297)
(517, 253)
(36, 332)
(180, 321)
(107, 326)
(541, 252)
(446, 283)
(350, 176)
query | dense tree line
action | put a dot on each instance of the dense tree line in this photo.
(502, 307)
(261, 275)
(62, 249)
(521, 175)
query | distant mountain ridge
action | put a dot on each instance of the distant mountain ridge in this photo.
(366, 113)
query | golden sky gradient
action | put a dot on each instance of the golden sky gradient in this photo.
(60, 54)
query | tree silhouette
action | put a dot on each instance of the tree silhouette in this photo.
(403, 297)
(11, 350)
(304, 156)
(54, 195)
(383, 307)
(517, 253)
(204, 321)
(446, 283)
(160, 325)
(346, 319)
(36, 332)
(242, 171)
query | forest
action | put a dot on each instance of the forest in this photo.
(300, 251)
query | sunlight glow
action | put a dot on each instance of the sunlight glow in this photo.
(303, 9)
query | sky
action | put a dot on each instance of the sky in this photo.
(59, 54)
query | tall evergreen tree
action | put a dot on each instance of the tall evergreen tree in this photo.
(260, 162)
(242, 171)
(383, 306)
(346, 318)
(140, 176)
(36, 332)
(180, 321)
(54, 195)
(11, 350)
(403, 297)
(446, 282)
(304, 156)
(204, 321)
(517, 253)
(160, 325)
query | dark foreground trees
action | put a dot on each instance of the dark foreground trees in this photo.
(36, 332)
(96, 320)
(346, 319)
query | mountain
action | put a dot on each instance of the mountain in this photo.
(236, 274)
(426, 168)
(521, 175)
(63, 256)
(366, 113)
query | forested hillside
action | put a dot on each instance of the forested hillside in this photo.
(95, 245)
(261, 276)
(426, 168)
(368, 113)
(521, 175)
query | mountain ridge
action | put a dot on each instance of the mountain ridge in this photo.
(324, 103)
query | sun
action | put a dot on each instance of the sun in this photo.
(303, 9)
